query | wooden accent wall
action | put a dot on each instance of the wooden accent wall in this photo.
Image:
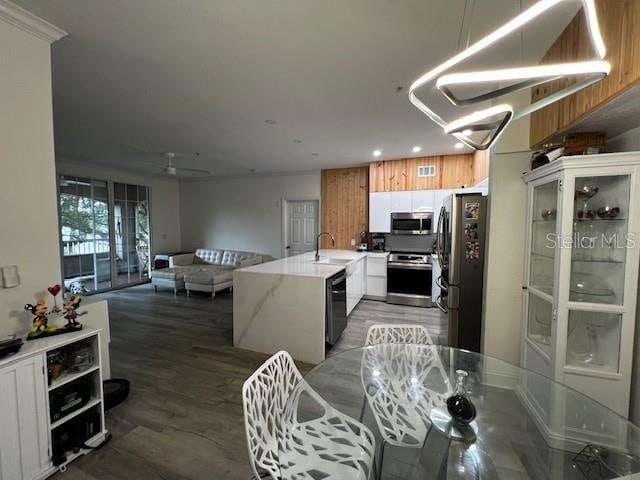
(344, 205)
(620, 26)
(452, 171)
(480, 165)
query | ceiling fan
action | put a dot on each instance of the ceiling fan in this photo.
(171, 169)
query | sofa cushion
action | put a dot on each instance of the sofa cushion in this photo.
(171, 273)
(206, 256)
(234, 258)
(209, 276)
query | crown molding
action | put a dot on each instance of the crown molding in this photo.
(30, 23)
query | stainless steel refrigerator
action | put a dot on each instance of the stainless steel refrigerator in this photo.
(460, 246)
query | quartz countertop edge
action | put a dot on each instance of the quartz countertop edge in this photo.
(305, 265)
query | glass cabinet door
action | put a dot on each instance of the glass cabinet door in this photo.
(543, 237)
(598, 256)
(599, 241)
(542, 264)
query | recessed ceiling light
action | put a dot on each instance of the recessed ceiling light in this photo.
(297, 140)
(252, 170)
(416, 149)
(466, 132)
(459, 145)
(377, 153)
(315, 154)
(270, 122)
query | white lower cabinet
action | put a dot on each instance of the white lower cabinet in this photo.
(24, 434)
(356, 278)
(377, 276)
(26, 427)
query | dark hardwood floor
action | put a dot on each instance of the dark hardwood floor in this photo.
(183, 418)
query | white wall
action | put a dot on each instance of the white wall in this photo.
(28, 212)
(629, 141)
(241, 213)
(165, 198)
(504, 267)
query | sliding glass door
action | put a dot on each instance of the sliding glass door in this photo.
(131, 214)
(84, 224)
(104, 232)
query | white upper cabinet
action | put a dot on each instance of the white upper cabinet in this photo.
(438, 198)
(401, 202)
(422, 200)
(380, 212)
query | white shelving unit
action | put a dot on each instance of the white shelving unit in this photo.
(26, 438)
(580, 284)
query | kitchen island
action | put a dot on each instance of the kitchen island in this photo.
(281, 305)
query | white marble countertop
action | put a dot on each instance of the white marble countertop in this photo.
(305, 264)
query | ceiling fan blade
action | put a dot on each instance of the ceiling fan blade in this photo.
(193, 170)
(186, 154)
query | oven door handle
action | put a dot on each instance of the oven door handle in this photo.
(441, 284)
(409, 266)
(440, 306)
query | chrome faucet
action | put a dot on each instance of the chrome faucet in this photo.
(333, 243)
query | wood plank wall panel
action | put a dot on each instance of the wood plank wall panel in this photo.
(376, 177)
(424, 183)
(457, 170)
(344, 205)
(480, 166)
(395, 175)
(452, 171)
(620, 26)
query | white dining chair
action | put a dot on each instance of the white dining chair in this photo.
(403, 382)
(400, 333)
(331, 446)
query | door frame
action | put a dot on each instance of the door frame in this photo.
(285, 219)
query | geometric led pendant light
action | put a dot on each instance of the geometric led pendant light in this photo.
(492, 121)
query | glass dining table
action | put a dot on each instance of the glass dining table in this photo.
(526, 425)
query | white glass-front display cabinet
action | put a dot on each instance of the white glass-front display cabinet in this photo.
(581, 278)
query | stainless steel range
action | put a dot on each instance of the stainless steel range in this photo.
(409, 279)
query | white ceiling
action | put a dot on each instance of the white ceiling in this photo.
(203, 75)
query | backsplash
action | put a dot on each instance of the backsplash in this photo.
(409, 243)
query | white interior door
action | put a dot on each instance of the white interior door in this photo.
(302, 226)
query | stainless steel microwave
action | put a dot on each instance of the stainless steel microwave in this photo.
(417, 223)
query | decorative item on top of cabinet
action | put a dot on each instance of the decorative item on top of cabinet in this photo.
(584, 143)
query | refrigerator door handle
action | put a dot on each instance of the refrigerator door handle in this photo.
(453, 297)
(439, 235)
(442, 285)
(454, 321)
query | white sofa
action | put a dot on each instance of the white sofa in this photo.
(205, 270)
